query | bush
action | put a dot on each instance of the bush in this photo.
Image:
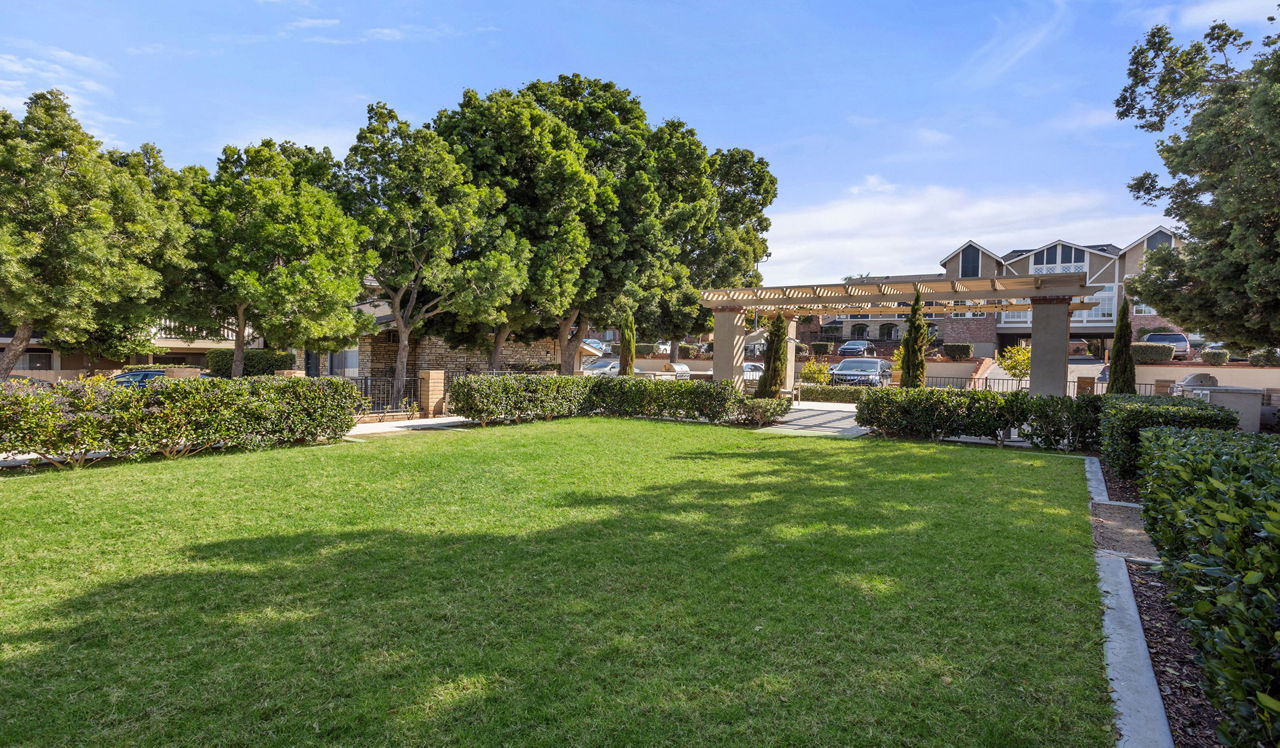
(630, 397)
(522, 397)
(1151, 353)
(1212, 508)
(1123, 416)
(1267, 357)
(646, 349)
(761, 411)
(814, 373)
(821, 349)
(957, 351)
(85, 420)
(802, 349)
(820, 393)
(688, 351)
(933, 412)
(257, 362)
(1214, 357)
(1069, 424)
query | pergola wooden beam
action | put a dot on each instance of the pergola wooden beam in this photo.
(901, 288)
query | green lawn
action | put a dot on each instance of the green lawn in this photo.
(579, 581)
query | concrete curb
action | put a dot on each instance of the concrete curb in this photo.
(1140, 716)
(1098, 485)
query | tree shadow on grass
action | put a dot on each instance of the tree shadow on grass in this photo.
(770, 609)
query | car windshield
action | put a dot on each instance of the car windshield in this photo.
(859, 365)
(1165, 338)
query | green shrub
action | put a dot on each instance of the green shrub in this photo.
(257, 362)
(814, 373)
(1265, 357)
(933, 412)
(1123, 416)
(1211, 502)
(1214, 357)
(646, 349)
(1069, 424)
(1151, 353)
(957, 351)
(523, 397)
(821, 349)
(80, 421)
(761, 411)
(830, 393)
(688, 351)
(630, 397)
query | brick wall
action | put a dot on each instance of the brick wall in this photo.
(377, 355)
(968, 329)
(1150, 321)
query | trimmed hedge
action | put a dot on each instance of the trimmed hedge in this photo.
(957, 351)
(761, 411)
(821, 349)
(1069, 424)
(831, 393)
(1151, 353)
(1214, 357)
(1267, 357)
(688, 350)
(257, 362)
(1124, 416)
(1211, 502)
(646, 349)
(81, 421)
(518, 397)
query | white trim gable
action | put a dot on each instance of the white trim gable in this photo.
(1073, 245)
(971, 243)
(1142, 240)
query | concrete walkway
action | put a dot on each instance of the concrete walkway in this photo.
(819, 419)
(416, 424)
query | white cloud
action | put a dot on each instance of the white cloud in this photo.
(881, 229)
(78, 76)
(1200, 15)
(313, 23)
(61, 56)
(1080, 118)
(1015, 38)
(927, 136)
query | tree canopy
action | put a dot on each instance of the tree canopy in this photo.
(1219, 109)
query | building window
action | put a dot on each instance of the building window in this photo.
(1017, 318)
(35, 361)
(967, 315)
(1058, 259)
(1143, 309)
(1158, 238)
(970, 262)
(1105, 311)
(345, 363)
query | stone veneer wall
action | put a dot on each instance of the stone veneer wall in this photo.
(378, 355)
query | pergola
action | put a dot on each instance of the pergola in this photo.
(1052, 298)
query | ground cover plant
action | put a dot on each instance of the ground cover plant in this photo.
(573, 581)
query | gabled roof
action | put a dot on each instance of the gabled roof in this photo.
(1110, 250)
(970, 243)
(1142, 240)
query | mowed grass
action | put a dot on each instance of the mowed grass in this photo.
(587, 581)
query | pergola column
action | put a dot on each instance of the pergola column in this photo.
(730, 333)
(1050, 332)
(789, 375)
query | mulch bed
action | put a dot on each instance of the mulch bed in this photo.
(1119, 489)
(1192, 719)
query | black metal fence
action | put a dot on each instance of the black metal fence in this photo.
(378, 394)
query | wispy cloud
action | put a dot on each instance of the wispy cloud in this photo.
(1080, 118)
(41, 67)
(884, 229)
(1016, 37)
(929, 137)
(405, 32)
(312, 23)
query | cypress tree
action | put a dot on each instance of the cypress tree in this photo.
(627, 344)
(775, 360)
(913, 345)
(1123, 377)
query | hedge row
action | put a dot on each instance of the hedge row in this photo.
(518, 398)
(831, 393)
(1266, 357)
(1215, 357)
(257, 362)
(1211, 501)
(1063, 423)
(957, 351)
(80, 421)
(1124, 416)
(820, 349)
(1151, 353)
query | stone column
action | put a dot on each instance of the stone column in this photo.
(730, 333)
(1050, 331)
(431, 392)
(789, 375)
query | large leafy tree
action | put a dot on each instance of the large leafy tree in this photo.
(275, 253)
(1220, 112)
(511, 143)
(626, 249)
(720, 236)
(441, 249)
(83, 238)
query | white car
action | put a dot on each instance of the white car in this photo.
(601, 368)
(751, 371)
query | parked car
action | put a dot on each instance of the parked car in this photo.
(858, 348)
(599, 345)
(662, 347)
(1181, 343)
(137, 377)
(751, 371)
(873, 372)
(602, 367)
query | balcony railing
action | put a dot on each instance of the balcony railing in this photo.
(166, 328)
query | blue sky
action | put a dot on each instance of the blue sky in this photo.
(897, 130)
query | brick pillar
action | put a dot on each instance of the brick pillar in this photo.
(431, 392)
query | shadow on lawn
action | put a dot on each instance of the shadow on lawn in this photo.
(772, 607)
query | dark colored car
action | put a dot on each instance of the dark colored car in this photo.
(137, 377)
(856, 348)
(867, 372)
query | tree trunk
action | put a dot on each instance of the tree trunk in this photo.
(568, 348)
(237, 353)
(500, 335)
(14, 350)
(402, 362)
(674, 356)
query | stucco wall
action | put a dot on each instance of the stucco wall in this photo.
(1231, 375)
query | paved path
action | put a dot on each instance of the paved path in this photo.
(819, 419)
(417, 424)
